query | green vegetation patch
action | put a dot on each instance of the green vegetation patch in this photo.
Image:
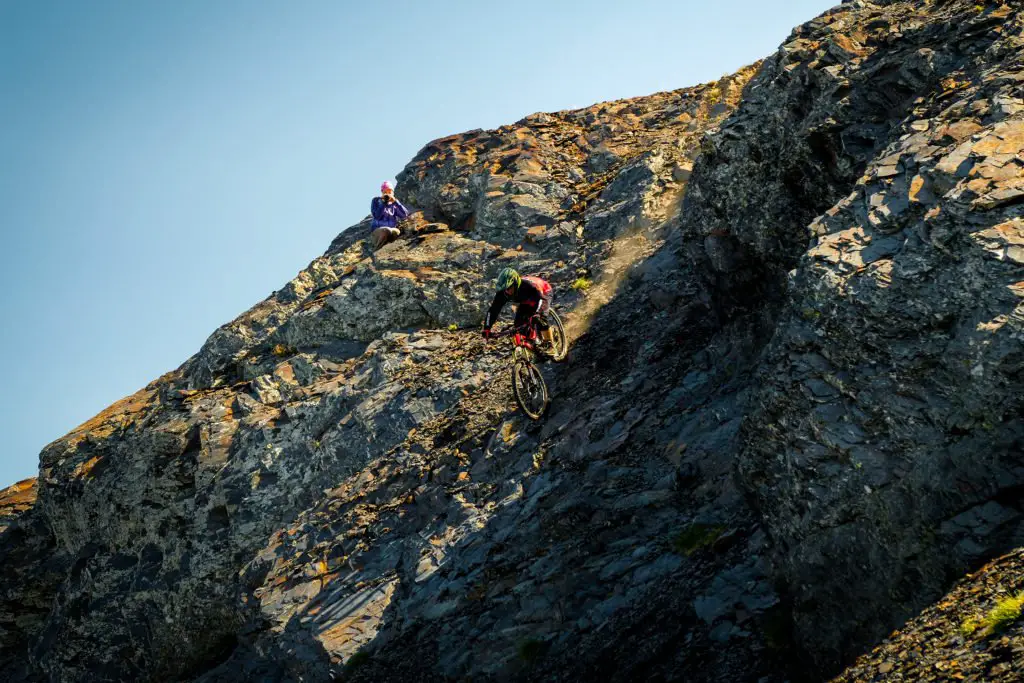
(581, 284)
(1006, 611)
(696, 537)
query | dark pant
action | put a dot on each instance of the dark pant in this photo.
(527, 310)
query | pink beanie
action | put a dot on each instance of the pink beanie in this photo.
(385, 186)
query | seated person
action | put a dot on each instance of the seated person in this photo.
(387, 212)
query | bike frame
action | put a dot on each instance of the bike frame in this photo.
(521, 334)
(520, 339)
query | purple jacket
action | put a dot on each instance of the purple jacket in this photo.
(386, 215)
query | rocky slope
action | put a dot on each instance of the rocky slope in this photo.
(946, 642)
(788, 423)
(32, 573)
(883, 447)
(15, 501)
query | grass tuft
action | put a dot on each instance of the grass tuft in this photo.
(1006, 611)
(581, 284)
(968, 627)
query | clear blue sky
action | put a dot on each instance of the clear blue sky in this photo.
(167, 164)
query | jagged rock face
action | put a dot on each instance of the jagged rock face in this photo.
(884, 445)
(532, 186)
(790, 417)
(836, 93)
(552, 176)
(197, 492)
(164, 504)
(32, 570)
(15, 501)
(593, 546)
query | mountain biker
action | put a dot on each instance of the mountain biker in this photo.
(386, 212)
(531, 294)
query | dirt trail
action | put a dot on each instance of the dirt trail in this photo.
(625, 252)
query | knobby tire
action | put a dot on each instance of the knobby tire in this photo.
(533, 405)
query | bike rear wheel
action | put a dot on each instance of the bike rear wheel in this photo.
(559, 341)
(529, 389)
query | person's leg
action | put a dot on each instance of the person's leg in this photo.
(383, 235)
(524, 313)
(546, 328)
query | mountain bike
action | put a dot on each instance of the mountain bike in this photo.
(528, 385)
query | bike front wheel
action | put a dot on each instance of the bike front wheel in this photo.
(529, 389)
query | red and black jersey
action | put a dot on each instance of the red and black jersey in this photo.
(530, 292)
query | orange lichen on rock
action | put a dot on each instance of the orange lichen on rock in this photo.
(18, 497)
(117, 417)
(86, 468)
(427, 272)
(408, 275)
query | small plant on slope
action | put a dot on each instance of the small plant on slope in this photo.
(1006, 611)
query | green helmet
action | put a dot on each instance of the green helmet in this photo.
(507, 278)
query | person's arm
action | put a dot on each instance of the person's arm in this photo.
(500, 300)
(377, 208)
(401, 213)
